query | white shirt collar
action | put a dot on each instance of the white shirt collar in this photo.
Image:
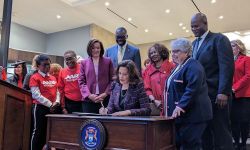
(124, 46)
(43, 74)
(204, 35)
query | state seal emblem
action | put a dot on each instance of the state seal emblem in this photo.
(92, 135)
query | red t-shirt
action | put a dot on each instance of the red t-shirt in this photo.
(68, 84)
(4, 76)
(47, 86)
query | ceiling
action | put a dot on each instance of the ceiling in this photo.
(146, 14)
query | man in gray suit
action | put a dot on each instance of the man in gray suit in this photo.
(122, 50)
(214, 52)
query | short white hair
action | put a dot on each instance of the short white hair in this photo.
(182, 44)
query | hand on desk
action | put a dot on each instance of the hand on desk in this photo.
(122, 113)
(158, 103)
(177, 112)
(103, 111)
(64, 111)
(54, 107)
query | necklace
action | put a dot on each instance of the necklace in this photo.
(123, 93)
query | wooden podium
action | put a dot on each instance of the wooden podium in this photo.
(135, 133)
(15, 117)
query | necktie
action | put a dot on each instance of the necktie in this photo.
(196, 48)
(120, 54)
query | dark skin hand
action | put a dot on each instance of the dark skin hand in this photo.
(64, 111)
(221, 100)
(54, 106)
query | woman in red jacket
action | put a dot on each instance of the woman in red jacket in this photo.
(241, 89)
(157, 72)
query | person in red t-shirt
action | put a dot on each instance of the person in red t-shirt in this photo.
(71, 98)
(46, 99)
(3, 75)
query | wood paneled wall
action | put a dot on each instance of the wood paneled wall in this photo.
(28, 56)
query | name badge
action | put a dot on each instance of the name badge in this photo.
(179, 81)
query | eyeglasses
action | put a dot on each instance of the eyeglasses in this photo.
(176, 51)
(70, 59)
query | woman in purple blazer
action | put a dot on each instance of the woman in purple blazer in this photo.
(128, 96)
(95, 78)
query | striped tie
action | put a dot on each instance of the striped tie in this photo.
(196, 48)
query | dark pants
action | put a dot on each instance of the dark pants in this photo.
(38, 137)
(73, 106)
(188, 135)
(91, 107)
(240, 117)
(240, 130)
(217, 135)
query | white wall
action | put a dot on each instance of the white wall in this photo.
(73, 39)
(25, 38)
(244, 38)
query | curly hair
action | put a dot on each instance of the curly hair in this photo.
(162, 50)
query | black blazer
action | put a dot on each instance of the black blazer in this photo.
(136, 100)
(216, 56)
(188, 90)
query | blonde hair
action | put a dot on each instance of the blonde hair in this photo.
(55, 67)
(240, 45)
(34, 64)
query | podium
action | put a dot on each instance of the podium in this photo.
(15, 117)
(134, 133)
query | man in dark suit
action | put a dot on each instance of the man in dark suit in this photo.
(214, 52)
(122, 50)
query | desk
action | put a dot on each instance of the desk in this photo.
(15, 117)
(139, 133)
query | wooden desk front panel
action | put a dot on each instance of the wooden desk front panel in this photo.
(138, 135)
(15, 110)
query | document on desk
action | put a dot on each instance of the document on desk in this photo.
(89, 114)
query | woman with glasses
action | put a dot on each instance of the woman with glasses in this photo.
(71, 98)
(186, 97)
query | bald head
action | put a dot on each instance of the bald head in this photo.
(121, 36)
(200, 16)
(199, 24)
(121, 30)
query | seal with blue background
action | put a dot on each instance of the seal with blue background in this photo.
(92, 135)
